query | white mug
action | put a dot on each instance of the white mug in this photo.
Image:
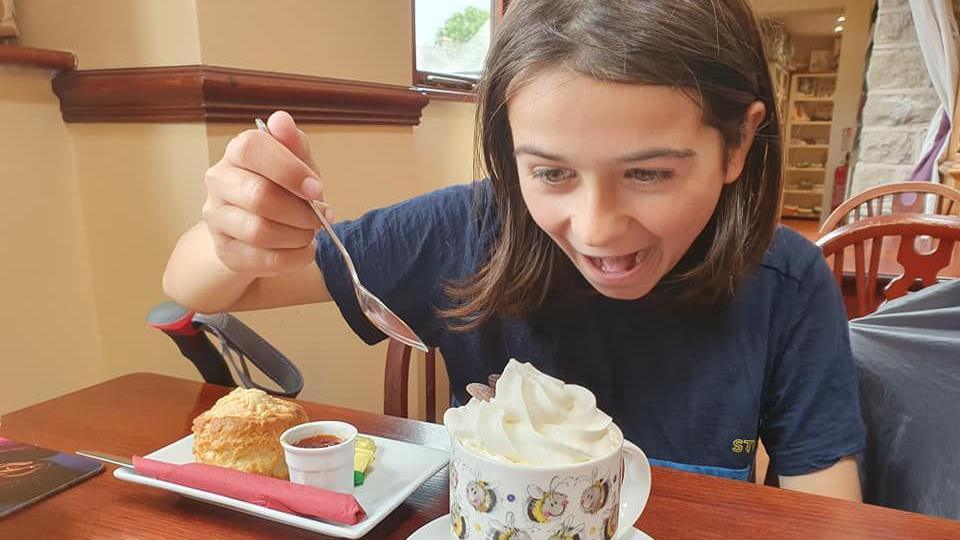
(493, 499)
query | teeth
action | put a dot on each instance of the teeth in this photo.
(621, 264)
(616, 264)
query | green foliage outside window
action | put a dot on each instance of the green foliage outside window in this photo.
(460, 27)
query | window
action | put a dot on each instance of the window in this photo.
(451, 38)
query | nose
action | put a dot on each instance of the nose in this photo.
(599, 220)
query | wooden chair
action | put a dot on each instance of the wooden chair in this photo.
(903, 197)
(867, 237)
(396, 381)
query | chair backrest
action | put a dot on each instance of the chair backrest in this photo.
(909, 373)
(898, 198)
(396, 381)
(867, 238)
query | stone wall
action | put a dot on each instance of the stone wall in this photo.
(900, 100)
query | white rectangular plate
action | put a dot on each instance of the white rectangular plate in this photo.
(400, 468)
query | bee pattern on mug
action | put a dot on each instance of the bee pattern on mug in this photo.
(595, 496)
(481, 496)
(567, 530)
(611, 523)
(543, 506)
(508, 531)
(459, 522)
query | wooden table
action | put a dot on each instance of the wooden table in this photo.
(141, 412)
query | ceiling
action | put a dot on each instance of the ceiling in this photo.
(811, 23)
(808, 23)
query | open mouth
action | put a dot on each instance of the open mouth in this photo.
(621, 264)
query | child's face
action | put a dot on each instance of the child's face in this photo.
(622, 177)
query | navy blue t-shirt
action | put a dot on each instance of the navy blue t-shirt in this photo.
(694, 388)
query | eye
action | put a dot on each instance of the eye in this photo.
(649, 176)
(552, 176)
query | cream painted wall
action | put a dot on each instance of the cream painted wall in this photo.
(131, 184)
(444, 145)
(365, 40)
(138, 186)
(139, 182)
(49, 336)
(113, 33)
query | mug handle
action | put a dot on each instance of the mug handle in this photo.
(636, 470)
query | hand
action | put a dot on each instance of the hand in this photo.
(255, 210)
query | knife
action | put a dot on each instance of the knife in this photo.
(106, 458)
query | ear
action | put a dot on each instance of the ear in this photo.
(752, 119)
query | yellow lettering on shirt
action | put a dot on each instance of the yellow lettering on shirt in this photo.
(743, 446)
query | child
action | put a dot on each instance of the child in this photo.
(625, 240)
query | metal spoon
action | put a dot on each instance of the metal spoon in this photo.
(371, 306)
(484, 392)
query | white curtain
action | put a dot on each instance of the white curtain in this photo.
(940, 44)
(8, 25)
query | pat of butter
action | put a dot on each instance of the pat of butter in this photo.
(364, 455)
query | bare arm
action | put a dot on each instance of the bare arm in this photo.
(841, 481)
(255, 247)
(196, 279)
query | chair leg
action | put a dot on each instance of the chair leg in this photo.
(396, 380)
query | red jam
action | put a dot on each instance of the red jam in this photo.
(318, 441)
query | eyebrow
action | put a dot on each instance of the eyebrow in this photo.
(642, 155)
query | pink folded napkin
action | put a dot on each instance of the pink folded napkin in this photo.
(260, 490)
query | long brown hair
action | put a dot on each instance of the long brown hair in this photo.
(710, 49)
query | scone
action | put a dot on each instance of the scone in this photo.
(242, 431)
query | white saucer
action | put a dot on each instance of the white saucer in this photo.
(439, 529)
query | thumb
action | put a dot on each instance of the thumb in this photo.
(284, 129)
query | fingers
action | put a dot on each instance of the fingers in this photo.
(244, 258)
(239, 224)
(285, 130)
(260, 196)
(255, 211)
(260, 153)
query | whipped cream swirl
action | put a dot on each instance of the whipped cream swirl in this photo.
(534, 419)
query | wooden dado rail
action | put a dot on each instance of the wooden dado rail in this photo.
(216, 94)
(210, 93)
(41, 58)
